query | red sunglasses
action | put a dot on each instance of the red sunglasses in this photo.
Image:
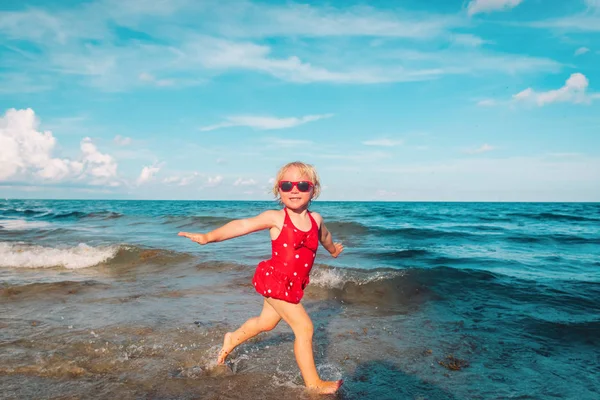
(303, 186)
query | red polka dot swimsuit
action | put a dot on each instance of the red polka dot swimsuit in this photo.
(285, 275)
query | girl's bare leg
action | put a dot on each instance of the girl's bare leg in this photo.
(299, 321)
(267, 320)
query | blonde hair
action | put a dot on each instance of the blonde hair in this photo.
(306, 170)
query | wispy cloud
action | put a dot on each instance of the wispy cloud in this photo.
(213, 181)
(581, 50)
(181, 180)
(83, 45)
(244, 182)
(265, 123)
(22, 82)
(355, 156)
(487, 6)
(468, 40)
(573, 91)
(579, 23)
(281, 142)
(384, 142)
(484, 148)
(122, 140)
(502, 179)
(586, 21)
(305, 20)
(487, 103)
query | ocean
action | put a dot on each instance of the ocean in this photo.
(102, 299)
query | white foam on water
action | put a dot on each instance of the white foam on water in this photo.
(329, 372)
(14, 255)
(21, 224)
(336, 278)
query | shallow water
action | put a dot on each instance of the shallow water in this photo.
(429, 301)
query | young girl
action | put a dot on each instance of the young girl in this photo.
(281, 280)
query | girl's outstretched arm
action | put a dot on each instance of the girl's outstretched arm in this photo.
(326, 239)
(238, 227)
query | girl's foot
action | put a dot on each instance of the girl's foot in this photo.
(326, 387)
(227, 348)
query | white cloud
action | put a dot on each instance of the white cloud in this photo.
(147, 174)
(244, 182)
(23, 148)
(486, 6)
(122, 140)
(481, 149)
(265, 123)
(383, 142)
(213, 181)
(25, 151)
(100, 165)
(581, 50)
(574, 91)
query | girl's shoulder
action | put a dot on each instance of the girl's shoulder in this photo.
(317, 217)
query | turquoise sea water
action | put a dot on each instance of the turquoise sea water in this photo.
(429, 300)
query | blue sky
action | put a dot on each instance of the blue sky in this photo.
(483, 100)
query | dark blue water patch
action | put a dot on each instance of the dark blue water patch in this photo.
(188, 221)
(104, 215)
(385, 380)
(552, 239)
(564, 332)
(569, 296)
(47, 215)
(71, 215)
(546, 216)
(422, 233)
(391, 255)
(481, 228)
(347, 227)
(499, 218)
(12, 212)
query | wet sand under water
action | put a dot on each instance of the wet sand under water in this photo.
(148, 331)
(151, 329)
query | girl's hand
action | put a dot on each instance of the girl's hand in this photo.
(196, 237)
(338, 249)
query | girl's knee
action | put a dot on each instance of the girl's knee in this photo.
(266, 326)
(304, 330)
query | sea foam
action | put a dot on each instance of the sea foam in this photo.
(335, 278)
(21, 224)
(14, 255)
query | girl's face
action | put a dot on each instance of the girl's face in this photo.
(295, 199)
